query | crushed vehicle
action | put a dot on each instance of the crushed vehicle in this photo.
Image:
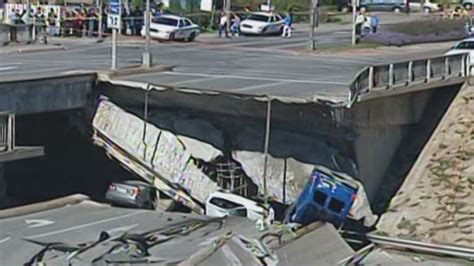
(331, 197)
(132, 193)
(221, 204)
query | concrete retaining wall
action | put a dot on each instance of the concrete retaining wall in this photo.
(39, 95)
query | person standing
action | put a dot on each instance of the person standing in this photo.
(52, 23)
(138, 14)
(223, 24)
(235, 27)
(374, 21)
(287, 23)
(14, 18)
(91, 16)
(41, 26)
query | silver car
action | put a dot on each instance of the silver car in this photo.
(132, 193)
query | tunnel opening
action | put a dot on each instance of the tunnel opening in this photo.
(71, 164)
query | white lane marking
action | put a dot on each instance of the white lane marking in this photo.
(231, 258)
(84, 225)
(253, 78)
(5, 239)
(121, 229)
(38, 222)
(192, 80)
(8, 68)
(260, 86)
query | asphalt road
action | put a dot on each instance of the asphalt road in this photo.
(248, 65)
(83, 222)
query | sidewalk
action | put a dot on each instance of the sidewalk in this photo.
(30, 48)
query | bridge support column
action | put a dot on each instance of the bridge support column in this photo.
(3, 187)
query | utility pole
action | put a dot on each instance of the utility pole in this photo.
(114, 49)
(266, 146)
(146, 57)
(313, 23)
(114, 22)
(354, 12)
(101, 13)
(227, 13)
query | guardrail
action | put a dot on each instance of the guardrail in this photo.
(7, 131)
(403, 74)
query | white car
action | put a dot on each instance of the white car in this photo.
(220, 204)
(426, 7)
(170, 27)
(464, 46)
(262, 23)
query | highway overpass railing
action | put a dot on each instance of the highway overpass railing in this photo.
(7, 131)
(385, 77)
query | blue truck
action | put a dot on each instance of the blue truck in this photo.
(326, 197)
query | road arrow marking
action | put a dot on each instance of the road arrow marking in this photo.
(38, 222)
(5, 239)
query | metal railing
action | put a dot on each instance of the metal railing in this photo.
(7, 131)
(403, 74)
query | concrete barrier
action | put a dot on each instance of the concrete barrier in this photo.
(43, 206)
(24, 33)
(4, 34)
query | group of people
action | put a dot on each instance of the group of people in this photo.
(40, 18)
(75, 21)
(234, 25)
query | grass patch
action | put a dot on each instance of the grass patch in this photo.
(423, 31)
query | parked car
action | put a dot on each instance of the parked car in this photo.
(132, 193)
(220, 204)
(171, 27)
(396, 6)
(467, 4)
(344, 6)
(425, 5)
(462, 47)
(262, 23)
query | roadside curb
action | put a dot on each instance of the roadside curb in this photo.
(41, 49)
(25, 50)
(43, 206)
(132, 71)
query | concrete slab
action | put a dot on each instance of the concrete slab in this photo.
(21, 153)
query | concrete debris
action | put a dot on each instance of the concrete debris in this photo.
(284, 175)
(170, 238)
(150, 152)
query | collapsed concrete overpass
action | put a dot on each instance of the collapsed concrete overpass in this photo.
(358, 133)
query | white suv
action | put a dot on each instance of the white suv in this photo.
(426, 7)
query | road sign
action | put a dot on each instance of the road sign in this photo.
(115, 12)
(113, 21)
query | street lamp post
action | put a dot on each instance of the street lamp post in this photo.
(354, 11)
(101, 13)
(313, 22)
(146, 57)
